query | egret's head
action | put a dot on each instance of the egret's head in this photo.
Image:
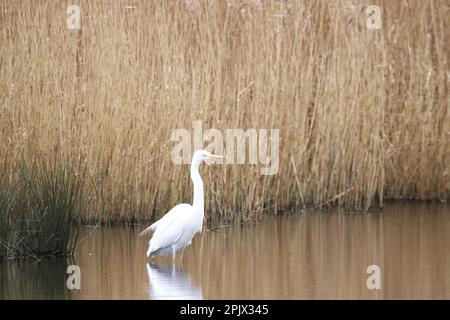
(203, 155)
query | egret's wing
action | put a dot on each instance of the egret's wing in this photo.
(166, 235)
(152, 228)
(170, 228)
(172, 214)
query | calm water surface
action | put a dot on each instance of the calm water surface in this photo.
(295, 256)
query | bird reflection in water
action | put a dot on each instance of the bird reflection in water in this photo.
(170, 283)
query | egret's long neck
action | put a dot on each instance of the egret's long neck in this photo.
(198, 203)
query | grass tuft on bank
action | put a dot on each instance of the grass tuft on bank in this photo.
(40, 210)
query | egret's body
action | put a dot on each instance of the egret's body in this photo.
(175, 230)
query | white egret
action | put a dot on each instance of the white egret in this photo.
(175, 230)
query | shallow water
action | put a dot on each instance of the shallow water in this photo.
(294, 256)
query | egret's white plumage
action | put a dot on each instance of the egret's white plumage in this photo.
(175, 230)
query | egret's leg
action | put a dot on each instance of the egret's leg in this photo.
(173, 255)
(182, 254)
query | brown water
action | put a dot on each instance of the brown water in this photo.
(296, 256)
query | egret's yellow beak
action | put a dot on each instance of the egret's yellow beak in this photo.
(216, 156)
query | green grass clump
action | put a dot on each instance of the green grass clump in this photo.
(40, 210)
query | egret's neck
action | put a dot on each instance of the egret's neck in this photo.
(198, 203)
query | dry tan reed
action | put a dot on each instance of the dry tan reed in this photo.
(363, 114)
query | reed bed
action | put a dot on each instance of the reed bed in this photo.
(363, 114)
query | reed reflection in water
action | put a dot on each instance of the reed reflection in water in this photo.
(313, 255)
(29, 279)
